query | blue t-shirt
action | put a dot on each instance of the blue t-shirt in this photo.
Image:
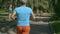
(23, 15)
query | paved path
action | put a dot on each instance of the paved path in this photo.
(40, 26)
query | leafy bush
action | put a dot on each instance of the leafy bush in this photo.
(56, 26)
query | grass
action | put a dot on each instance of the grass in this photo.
(56, 26)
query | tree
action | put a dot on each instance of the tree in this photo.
(57, 10)
(56, 6)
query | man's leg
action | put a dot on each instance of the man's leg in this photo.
(19, 29)
(26, 30)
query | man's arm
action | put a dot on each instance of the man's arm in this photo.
(13, 16)
(33, 16)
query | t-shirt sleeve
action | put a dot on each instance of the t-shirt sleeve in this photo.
(15, 10)
(31, 11)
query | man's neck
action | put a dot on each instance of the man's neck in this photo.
(24, 5)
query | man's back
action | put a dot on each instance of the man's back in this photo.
(23, 15)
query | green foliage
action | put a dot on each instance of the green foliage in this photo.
(56, 10)
(33, 3)
(56, 26)
(3, 10)
(56, 17)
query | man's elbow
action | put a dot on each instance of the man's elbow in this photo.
(11, 17)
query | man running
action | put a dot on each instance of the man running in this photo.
(23, 15)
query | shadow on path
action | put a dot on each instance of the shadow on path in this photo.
(40, 29)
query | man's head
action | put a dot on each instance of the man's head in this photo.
(23, 2)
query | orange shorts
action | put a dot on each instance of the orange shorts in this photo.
(23, 29)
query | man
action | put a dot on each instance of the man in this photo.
(23, 14)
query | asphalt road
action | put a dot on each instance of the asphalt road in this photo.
(40, 26)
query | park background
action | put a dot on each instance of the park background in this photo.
(45, 10)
